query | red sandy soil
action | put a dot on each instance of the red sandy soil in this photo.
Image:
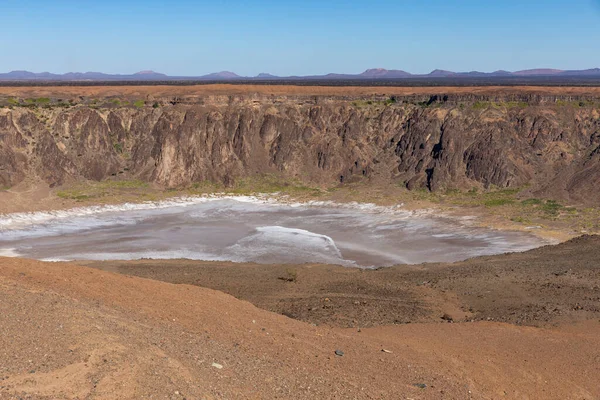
(68, 331)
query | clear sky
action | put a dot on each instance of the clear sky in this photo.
(297, 37)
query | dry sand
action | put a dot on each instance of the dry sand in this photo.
(68, 331)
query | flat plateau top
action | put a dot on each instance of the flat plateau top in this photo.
(285, 90)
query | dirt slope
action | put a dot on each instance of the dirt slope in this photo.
(542, 287)
(74, 332)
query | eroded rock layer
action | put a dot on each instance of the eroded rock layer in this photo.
(552, 147)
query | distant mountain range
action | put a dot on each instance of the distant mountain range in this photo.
(370, 74)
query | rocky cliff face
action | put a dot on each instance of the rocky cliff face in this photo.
(554, 148)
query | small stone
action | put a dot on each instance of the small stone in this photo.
(420, 385)
(447, 317)
(339, 353)
(217, 366)
(386, 351)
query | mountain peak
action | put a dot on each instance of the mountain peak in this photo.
(265, 75)
(375, 71)
(227, 74)
(384, 73)
(441, 73)
(148, 72)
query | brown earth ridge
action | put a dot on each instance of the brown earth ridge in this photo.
(546, 139)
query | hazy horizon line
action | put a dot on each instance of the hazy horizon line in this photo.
(374, 69)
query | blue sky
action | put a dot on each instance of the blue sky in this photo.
(299, 37)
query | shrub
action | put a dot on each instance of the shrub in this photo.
(552, 207)
(497, 202)
(530, 202)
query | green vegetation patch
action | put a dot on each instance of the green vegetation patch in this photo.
(576, 103)
(515, 104)
(483, 105)
(480, 105)
(97, 190)
(552, 207)
(370, 103)
(139, 103)
(38, 102)
(530, 202)
(549, 207)
(508, 204)
(73, 195)
(122, 184)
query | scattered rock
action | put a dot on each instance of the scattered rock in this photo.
(447, 317)
(420, 385)
(217, 366)
(339, 353)
(386, 351)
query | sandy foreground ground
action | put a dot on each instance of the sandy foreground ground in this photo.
(68, 331)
